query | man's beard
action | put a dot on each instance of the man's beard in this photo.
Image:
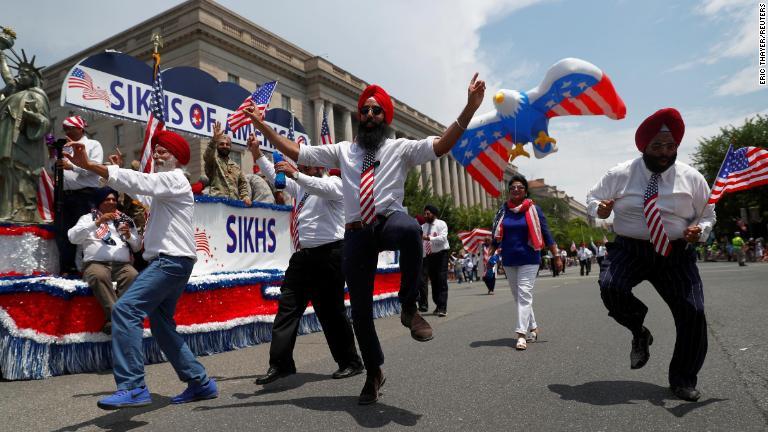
(223, 152)
(653, 164)
(167, 165)
(370, 138)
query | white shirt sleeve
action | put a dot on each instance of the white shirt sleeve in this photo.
(135, 241)
(327, 188)
(417, 152)
(84, 227)
(441, 239)
(604, 189)
(165, 184)
(708, 218)
(326, 156)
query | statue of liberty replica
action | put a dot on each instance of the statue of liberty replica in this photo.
(24, 120)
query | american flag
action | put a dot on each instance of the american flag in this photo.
(652, 214)
(260, 98)
(156, 121)
(80, 79)
(201, 242)
(325, 131)
(742, 169)
(472, 240)
(45, 196)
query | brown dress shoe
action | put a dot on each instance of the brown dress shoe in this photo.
(420, 328)
(373, 383)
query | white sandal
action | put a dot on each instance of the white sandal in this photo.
(521, 345)
(532, 336)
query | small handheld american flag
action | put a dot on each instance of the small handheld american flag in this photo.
(260, 99)
(742, 169)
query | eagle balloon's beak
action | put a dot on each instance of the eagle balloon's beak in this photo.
(498, 98)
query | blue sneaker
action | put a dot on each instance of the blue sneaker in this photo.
(196, 392)
(137, 397)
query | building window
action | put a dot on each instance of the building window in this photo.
(285, 102)
(233, 78)
(119, 129)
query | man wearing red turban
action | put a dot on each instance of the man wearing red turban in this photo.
(169, 247)
(373, 171)
(660, 207)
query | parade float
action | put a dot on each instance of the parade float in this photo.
(51, 325)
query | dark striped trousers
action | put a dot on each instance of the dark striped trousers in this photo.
(676, 279)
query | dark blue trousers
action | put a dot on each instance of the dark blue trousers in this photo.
(676, 279)
(361, 251)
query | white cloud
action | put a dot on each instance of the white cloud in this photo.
(743, 82)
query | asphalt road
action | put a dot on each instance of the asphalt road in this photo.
(470, 377)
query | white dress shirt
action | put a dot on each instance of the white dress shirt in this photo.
(94, 249)
(78, 178)
(601, 251)
(321, 219)
(395, 158)
(171, 205)
(584, 254)
(438, 235)
(683, 195)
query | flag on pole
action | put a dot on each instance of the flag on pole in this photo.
(473, 239)
(156, 121)
(573, 246)
(325, 131)
(742, 169)
(260, 99)
(45, 196)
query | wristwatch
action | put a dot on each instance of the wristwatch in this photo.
(295, 175)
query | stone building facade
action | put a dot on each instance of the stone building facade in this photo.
(205, 35)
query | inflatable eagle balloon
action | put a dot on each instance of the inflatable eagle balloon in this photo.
(570, 87)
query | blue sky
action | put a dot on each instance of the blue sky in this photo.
(697, 56)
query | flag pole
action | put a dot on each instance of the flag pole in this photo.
(701, 213)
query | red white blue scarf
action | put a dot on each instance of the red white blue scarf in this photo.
(535, 237)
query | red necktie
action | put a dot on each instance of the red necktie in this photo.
(295, 222)
(367, 207)
(659, 238)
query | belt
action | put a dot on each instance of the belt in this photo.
(354, 226)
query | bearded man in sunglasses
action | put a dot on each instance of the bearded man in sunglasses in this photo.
(373, 170)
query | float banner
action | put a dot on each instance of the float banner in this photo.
(118, 85)
(229, 238)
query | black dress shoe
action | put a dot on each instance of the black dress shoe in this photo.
(350, 370)
(273, 374)
(373, 383)
(423, 308)
(689, 394)
(640, 353)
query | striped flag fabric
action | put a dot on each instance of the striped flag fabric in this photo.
(201, 243)
(742, 169)
(570, 87)
(367, 205)
(472, 240)
(260, 99)
(45, 196)
(325, 131)
(80, 79)
(156, 120)
(659, 237)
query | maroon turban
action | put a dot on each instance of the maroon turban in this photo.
(174, 143)
(667, 119)
(381, 96)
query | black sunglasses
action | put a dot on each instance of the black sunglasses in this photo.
(375, 109)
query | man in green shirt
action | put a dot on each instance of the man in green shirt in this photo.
(738, 248)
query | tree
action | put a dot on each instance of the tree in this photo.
(709, 156)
